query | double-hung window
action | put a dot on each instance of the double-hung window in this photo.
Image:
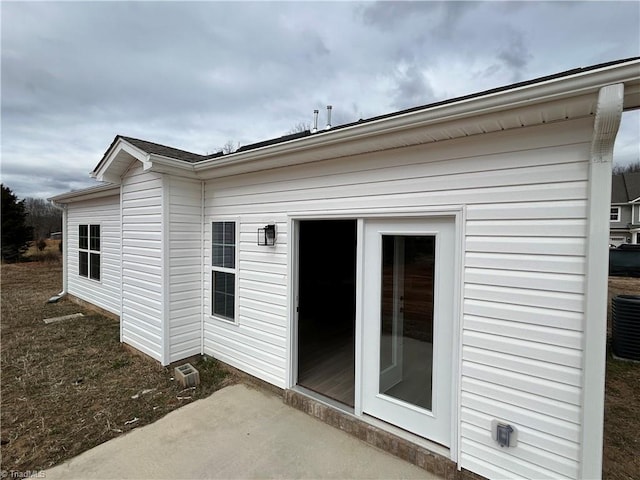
(89, 251)
(614, 216)
(223, 270)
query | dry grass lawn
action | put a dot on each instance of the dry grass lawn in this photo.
(69, 386)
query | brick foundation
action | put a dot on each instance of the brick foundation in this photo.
(387, 441)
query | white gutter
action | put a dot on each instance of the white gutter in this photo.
(85, 194)
(162, 164)
(553, 89)
(358, 136)
(594, 351)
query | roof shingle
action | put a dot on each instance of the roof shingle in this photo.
(625, 187)
(157, 149)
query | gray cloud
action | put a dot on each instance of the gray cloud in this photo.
(194, 75)
(412, 88)
(442, 16)
(515, 55)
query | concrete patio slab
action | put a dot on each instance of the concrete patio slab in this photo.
(238, 432)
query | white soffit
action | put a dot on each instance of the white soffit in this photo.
(118, 159)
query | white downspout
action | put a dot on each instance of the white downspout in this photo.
(607, 121)
(65, 246)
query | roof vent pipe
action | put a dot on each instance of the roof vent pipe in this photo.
(315, 121)
(329, 107)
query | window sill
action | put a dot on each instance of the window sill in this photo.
(225, 321)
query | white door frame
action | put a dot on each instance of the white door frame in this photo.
(459, 215)
(432, 422)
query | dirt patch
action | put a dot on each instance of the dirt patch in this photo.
(71, 385)
(622, 421)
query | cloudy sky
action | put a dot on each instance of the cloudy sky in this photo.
(197, 75)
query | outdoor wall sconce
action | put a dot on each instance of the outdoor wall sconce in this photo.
(267, 235)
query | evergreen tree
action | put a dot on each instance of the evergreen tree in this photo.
(16, 235)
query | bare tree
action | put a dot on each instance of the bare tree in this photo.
(299, 127)
(229, 147)
(633, 167)
(43, 217)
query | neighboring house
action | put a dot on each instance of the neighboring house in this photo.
(433, 272)
(625, 209)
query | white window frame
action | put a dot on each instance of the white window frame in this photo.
(214, 268)
(89, 250)
(617, 214)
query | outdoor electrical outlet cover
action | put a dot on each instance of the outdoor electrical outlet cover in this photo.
(187, 375)
(504, 434)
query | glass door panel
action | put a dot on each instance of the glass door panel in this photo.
(406, 326)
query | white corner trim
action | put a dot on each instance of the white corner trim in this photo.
(607, 121)
(202, 263)
(121, 253)
(165, 229)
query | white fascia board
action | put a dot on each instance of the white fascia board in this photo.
(105, 172)
(551, 90)
(162, 164)
(86, 194)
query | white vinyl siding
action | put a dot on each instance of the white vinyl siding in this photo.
(184, 268)
(256, 342)
(142, 261)
(525, 194)
(104, 293)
